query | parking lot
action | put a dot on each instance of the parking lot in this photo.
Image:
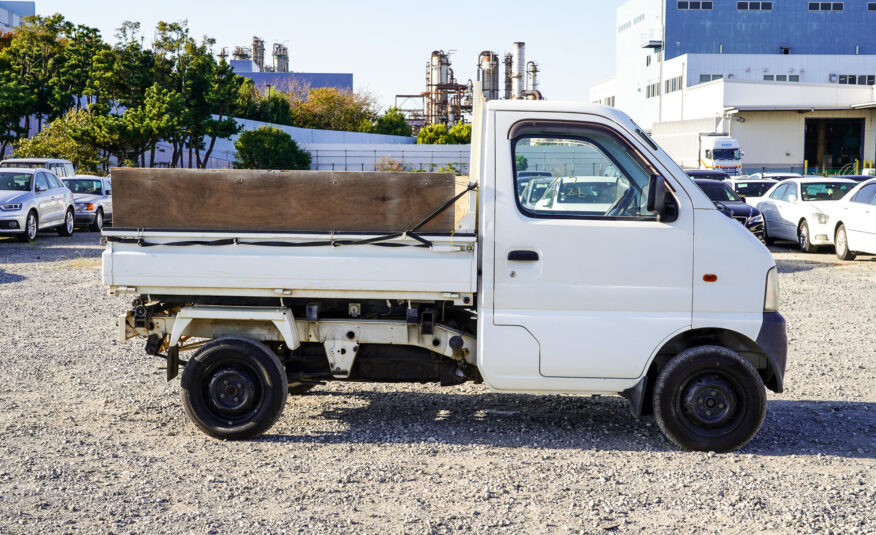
(96, 441)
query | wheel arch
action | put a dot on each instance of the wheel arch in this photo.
(745, 346)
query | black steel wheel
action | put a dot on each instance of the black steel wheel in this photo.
(709, 398)
(234, 388)
(841, 241)
(31, 225)
(66, 229)
(97, 225)
(803, 239)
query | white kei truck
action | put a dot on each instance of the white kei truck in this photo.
(655, 296)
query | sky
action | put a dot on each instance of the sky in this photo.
(387, 44)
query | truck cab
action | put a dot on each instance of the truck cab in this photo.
(600, 293)
(721, 153)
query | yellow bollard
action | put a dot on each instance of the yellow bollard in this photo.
(805, 167)
(856, 167)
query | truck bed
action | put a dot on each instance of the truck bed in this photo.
(296, 265)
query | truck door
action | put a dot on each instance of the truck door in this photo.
(595, 279)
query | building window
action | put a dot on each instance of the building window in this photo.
(826, 6)
(781, 77)
(871, 6)
(793, 77)
(857, 79)
(624, 26)
(694, 5)
(672, 85)
(640, 18)
(709, 77)
(769, 77)
(648, 60)
(754, 6)
(652, 90)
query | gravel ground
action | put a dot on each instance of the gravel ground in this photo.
(94, 440)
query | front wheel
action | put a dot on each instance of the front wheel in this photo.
(66, 229)
(842, 244)
(97, 225)
(767, 240)
(30, 228)
(234, 388)
(709, 398)
(803, 238)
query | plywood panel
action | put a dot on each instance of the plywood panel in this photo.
(206, 199)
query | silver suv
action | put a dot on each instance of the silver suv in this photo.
(32, 200)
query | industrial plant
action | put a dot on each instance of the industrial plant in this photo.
(447, 101)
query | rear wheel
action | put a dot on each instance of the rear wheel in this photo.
(803, 238)
(97, 225)
(30, 228)
(234, 388)
(842, 244)
(66, 229)
(709, 398)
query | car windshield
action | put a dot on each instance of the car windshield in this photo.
(825, 191)
(15, 181)
(753, 189)
(726, 154)
(719, 192)
(79, 185)
(587, 192)
(24, 165)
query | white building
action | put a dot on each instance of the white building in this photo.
(11, 14)
(793, 83)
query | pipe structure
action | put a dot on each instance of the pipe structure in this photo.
(517, 70)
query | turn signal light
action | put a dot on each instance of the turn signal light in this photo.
(710, 277)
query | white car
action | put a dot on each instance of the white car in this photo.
(774, 176)
(750, 189)
(593, 194)
(798, 209)
(92, 196)
(854, 221)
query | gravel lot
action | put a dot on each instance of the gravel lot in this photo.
(94, 440)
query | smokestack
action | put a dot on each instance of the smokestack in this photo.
(517, 72)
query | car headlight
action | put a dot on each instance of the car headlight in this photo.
(84, 206)
(756, 219)
(11, 207)
(771, 296)
(821, 218)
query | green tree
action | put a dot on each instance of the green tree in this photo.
(521, 163)
(15, 103)
(332, 109)
(392, 123)
(55, 141)
(275, 108)
(460, 134)
(269, 148)
(433, 134)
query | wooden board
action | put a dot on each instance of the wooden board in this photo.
(207, 199)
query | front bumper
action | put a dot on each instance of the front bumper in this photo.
(84, 218)
(12, 222)
(773, 340)
(820, 234)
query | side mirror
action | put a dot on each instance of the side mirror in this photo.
(40, 189)
(660, 200)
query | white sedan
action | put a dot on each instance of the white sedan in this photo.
(798, 209)
(854, 221)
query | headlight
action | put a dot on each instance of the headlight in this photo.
(10, 207)
(84, 206)
(771, 296)
(756, 219)
(821, 218)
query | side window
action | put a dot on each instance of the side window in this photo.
(107, 188)
(867, 195)
(41, 182)
(58, 169)
(779, 193)
(592, 173)
(68, 170)
(54, 182)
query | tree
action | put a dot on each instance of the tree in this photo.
(460, 134)
(15, 103)
(332, 109)
(269, 148)
(433, 134)
(392, 123)
(275, 108)
(55, 141)
(521, 163)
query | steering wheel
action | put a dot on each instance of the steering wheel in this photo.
(624, 206)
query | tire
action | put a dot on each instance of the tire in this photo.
(297, 389)
(841, 240)
(67, 227)
(709, 398)
(767, 240)
(248, 373)
(31, 225)
(97, 226)
(803, 239)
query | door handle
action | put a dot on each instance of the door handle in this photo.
(523, 256)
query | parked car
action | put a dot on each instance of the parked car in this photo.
(591, 194)
(797, 209)
(853, 219)
(535, 188)
(92, 198)
(774, 176)
(61, 168)
(523, 178)
(856, 178)
(705, 173)
(749, 188)
(32, 200)
(732, 205)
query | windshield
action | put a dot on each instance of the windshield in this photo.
(79, 185)
(15, 181)
(726, 154)
(587, 192)
(825, 191)
(24, 165)
(753, 189)
(719, 192)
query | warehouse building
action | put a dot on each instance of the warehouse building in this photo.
(11, 14)
(793, 80)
